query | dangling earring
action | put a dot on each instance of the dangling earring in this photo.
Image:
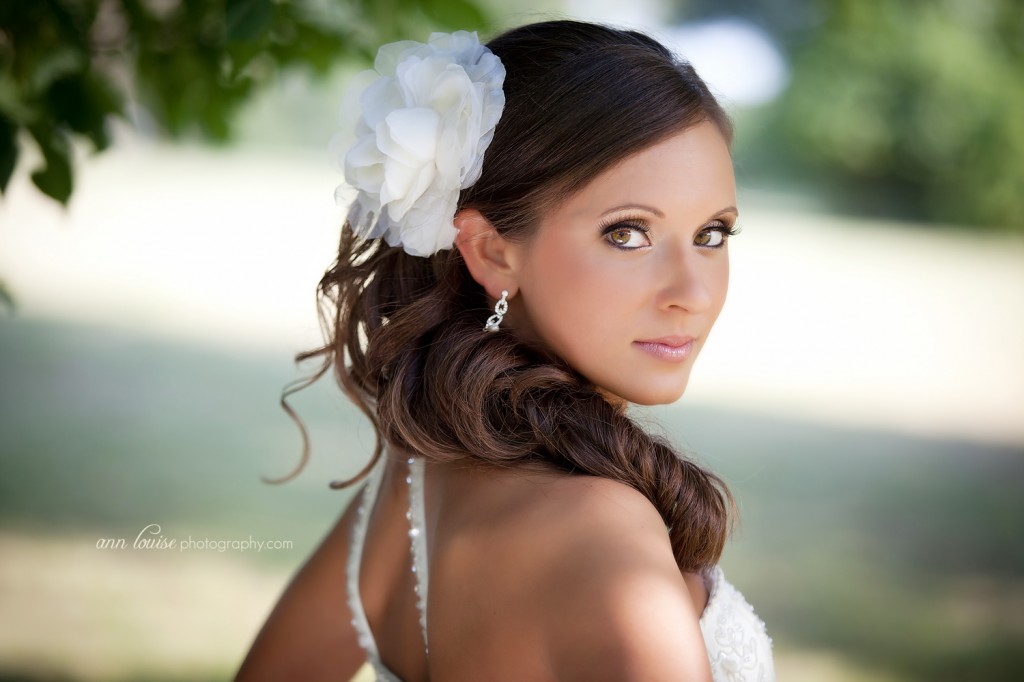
(500, 308)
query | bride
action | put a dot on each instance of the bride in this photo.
(539, 240)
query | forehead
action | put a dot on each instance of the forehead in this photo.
(689, 171)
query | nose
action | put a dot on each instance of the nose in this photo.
(687, 281)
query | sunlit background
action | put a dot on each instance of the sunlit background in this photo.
(863, 394)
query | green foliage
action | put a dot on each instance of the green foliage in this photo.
(6, 300)
(68, 66)
(924, 99)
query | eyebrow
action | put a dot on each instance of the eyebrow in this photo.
(727, 209)
(640, 206)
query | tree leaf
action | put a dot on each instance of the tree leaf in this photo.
(8, 151)
(54, 65)
(246, 19)
(54, 179)
(83, 102)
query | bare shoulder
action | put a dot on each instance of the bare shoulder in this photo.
(582, 573)
(619, 609)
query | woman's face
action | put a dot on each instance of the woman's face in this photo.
(626, 278)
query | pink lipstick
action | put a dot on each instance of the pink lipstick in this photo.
(669, 348)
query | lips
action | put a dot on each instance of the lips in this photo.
(671, 341)
(669, 348)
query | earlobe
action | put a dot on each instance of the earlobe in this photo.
(490, 259)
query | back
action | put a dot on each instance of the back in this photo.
(542, 575)
(517, 559)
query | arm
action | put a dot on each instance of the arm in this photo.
(309, 634)
(621, 608)
(641, 626)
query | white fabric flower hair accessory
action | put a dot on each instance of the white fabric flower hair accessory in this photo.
(427, 114)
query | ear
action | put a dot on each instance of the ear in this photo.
(491, 259)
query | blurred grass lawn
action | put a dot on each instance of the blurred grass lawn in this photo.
(871, 556)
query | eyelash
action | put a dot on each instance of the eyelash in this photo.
(639, 224)
(624, 224)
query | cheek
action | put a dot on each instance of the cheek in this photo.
(721, 284)
(559, 292)
(574, 298)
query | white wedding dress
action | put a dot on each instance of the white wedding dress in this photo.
(738, 646)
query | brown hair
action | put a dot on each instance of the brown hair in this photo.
(405, 334)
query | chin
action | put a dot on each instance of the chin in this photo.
(649, 395)
(658, 400)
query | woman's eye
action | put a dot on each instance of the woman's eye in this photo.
(627, 236)
(713, 237)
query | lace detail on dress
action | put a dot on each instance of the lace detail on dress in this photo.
(737, 642)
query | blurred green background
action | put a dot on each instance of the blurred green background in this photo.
(863, 394)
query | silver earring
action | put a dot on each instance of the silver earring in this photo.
(500, 308)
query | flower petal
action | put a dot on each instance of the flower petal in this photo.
(426, 122)
(411, 132)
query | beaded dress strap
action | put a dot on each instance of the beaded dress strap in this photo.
(418, 538)
(355, 602)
